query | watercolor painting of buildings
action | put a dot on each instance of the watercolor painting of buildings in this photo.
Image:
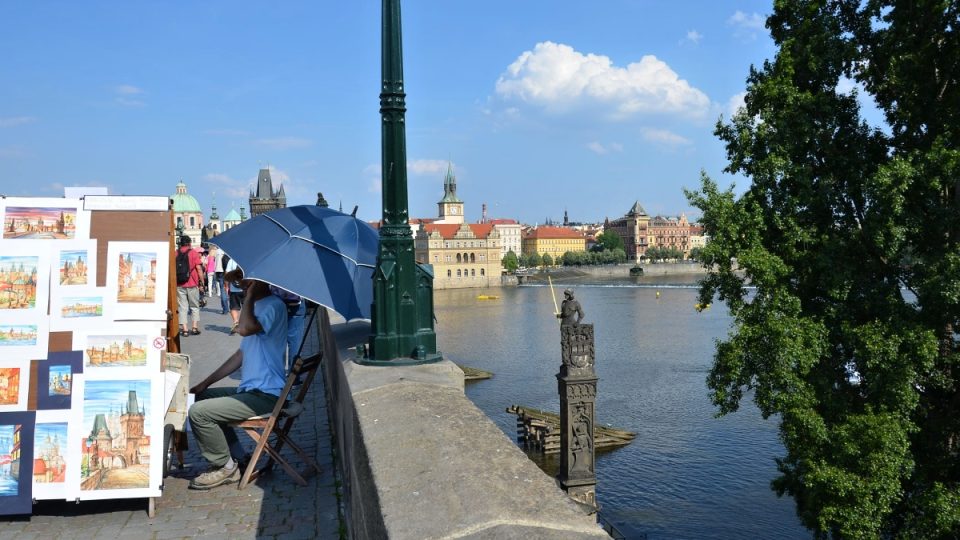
(50, 453)
(116, 446)
(133, 271)
(10, 385)
(72, 307)
(116, 350)
(40, 222)
(137, 277)
(19, 278)
(18, 335)
(14, 384)
(75, 267)
(16, 462)
(59, 380)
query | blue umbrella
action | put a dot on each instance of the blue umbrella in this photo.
(320, 254)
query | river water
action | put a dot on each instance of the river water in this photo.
(687, 474)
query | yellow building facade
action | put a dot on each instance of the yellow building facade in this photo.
(463, 255)
(554, 241)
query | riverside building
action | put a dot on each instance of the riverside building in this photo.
(553, 241)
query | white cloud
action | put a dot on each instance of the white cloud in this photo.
(663, 137)
(601, 149)
(14, 121)
(692, 37)
(747, 26)
(285, 143)
(734, 104)
(125, 95)
(846, 86)
(431, 168)
(559, 79)
(231, 187)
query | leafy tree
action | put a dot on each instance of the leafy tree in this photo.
(533, 260)
(695, 254)
(510, 262)
(547, 260)
(851, 236)
(608, 241)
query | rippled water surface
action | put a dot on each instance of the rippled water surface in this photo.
(687, 474)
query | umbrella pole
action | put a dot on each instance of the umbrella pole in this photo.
(303, 340)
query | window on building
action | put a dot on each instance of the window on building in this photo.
(473, 273)
(193, 222)
(436, 258)
(449, 273)
(473, 258)
(458, 258)
(458, 272)
(482, 272)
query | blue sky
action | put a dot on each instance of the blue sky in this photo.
(540, 106)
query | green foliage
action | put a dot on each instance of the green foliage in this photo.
(547, 260)
(658, 253)
(695, 254)
(851, 237)
(608, 241)
(510, 262)
(533, 260)
(580, 258)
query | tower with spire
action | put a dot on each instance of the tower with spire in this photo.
(450, 206)
(265, 198)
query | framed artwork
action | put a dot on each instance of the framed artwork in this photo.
(54, 382)
(137, 277)
(118, 419)
(26, 339)
(14, 384)
(24, 279)
(74, 264)
(16, 462)
(39, 218)
(77, 308)
(122, 345)
(51, 459)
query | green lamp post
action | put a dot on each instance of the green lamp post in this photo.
(402, 330)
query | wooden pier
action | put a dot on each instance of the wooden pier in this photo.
(540, 430)
(473, 374)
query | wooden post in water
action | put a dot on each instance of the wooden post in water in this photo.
(577, 384)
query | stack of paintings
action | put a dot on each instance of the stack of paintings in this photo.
(95, 430)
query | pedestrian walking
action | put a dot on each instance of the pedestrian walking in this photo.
(189, 273)
(212, 257)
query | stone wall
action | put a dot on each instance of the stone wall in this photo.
(420, 460)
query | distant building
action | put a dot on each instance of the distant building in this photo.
(187, 214)
(450, 207)
(511, 235)
(213, 227)
(265, 198)
(231, 220)
(633, 229)
(463, 255)
(554, 241)
(669, 232)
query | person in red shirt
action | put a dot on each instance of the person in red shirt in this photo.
(188, 292)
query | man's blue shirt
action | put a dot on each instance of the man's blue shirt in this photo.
(262, 367)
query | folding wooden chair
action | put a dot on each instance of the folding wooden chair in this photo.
(285, 412)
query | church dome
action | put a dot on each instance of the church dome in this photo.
(232, 215)
(184, 202)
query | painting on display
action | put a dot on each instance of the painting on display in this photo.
(54, 384)
(35, 218)
(24, 279)
(137, 274)
(14, 384)
(24, 340)
(73, 266)
(122, 345)
(51, 460)
(16, 462)
(78, 308)
(119, 435)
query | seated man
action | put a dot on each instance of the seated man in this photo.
(263, 325)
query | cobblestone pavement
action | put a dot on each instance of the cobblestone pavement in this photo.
(272, 507)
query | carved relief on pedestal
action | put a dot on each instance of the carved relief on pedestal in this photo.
(576, 348)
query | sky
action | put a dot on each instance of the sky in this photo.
(540, 107)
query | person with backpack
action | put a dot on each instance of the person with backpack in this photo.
(189, 273)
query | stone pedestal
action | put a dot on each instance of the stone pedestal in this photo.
(577, 384)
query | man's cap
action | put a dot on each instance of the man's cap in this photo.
(185, 240)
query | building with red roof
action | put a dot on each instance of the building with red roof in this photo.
(553, 241)
(463, 255)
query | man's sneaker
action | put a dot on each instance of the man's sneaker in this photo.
(216, 477)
